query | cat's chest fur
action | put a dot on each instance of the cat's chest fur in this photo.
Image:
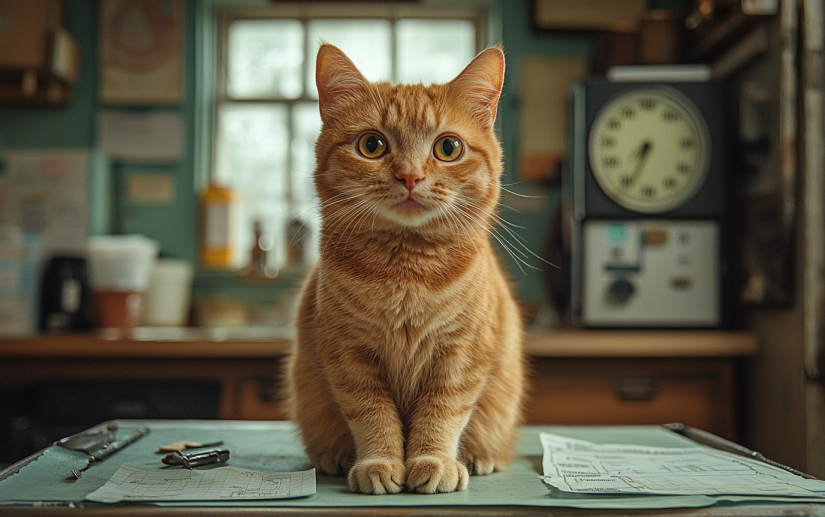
(405, 319)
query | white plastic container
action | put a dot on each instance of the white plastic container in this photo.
(119, 267)
(121, 263)
(169, 294)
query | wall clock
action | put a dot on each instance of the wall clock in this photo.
(646, 185)
(649, 150)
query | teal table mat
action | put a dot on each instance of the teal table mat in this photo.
(276, 447)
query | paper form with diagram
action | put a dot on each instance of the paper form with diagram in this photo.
(578, 466)
(131, 483)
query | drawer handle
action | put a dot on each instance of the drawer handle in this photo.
(635, 389)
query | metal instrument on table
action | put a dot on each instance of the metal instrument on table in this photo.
(91, 440)
(196, 459)
(109, 449)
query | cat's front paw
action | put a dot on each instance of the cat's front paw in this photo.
(332, 464)
(377, 476)
(429, 474)
(480, 466)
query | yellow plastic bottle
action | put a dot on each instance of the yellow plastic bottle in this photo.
(218, 209)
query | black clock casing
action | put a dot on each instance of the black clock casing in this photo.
(591, 96)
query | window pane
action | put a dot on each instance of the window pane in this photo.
(251, 157)
(265, 59)
(433, 50)
(306, 122)
(366, 42)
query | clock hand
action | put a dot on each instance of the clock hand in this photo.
(641, 154)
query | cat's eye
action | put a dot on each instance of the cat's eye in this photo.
(372, 145)
(447, 148)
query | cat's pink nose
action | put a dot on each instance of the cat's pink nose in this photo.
(410, 179)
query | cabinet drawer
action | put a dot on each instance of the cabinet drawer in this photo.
(603, 392)
(589, 401)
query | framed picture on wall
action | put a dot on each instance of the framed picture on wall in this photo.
(588, 15)
(141, 51)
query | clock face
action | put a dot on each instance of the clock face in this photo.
(649, 150)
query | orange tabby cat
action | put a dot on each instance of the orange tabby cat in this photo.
(408, 368)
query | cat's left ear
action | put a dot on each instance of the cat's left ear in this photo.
(336, 77)
(480, 83)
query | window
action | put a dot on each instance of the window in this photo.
(266, 109)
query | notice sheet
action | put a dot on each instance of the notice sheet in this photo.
(131, 483)
(578, 466)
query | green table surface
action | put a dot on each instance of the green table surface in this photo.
(44, 479)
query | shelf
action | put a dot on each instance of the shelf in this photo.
(641, 343)
(212, 343)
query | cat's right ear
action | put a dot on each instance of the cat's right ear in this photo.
(336, 77)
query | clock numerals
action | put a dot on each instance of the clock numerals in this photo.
(683, 168)
(614, 124)
(687, 143)
(670, 115)
(648, 191)
(610, 162)
(669, 183)
(627, 112)
(608, 141)
(647, 104)
(626, 181)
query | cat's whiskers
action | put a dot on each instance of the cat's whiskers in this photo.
(490, 213)
(521, 241)
(339, 211)
(457, 220)
(528, 196)
(467, 232)
(359, 212)
(517, 255)
(333, 221)
(307, 210)
(357, 224)
(491, 230)
(444, 215)
(374, 215)
(343, 216)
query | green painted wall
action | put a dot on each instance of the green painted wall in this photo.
(74, 127)
(175, 226)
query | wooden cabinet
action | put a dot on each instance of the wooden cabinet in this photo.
(39, 60)
(577, 377)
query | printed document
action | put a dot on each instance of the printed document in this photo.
(578, 466)
(131, 483)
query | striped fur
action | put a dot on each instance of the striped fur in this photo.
(407, 370)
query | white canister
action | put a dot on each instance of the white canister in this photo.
(119, 267)
(169, 293)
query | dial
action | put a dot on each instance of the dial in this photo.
(649, 150)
